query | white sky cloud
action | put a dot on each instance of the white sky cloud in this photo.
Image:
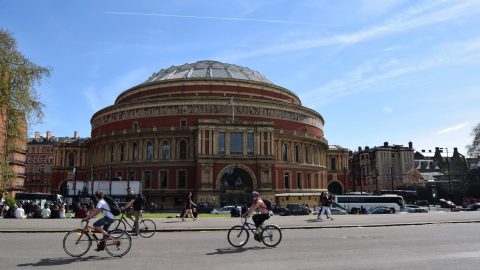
(419, 15)
(453, 128)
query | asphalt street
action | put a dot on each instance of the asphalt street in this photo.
(430, 246)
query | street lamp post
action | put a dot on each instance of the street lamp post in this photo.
(345, 180)
(448, 174)
(376, 180)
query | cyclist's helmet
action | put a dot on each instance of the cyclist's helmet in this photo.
(255, 194)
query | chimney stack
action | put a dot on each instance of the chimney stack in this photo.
(75, 135)
(410, 145)
(49, 135)
(385, 144)
(37, 136)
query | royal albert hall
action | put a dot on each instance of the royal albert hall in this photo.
(218, 130)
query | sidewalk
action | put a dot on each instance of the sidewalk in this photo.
(288, 222)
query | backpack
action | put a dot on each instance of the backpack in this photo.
(114, 208)
(268, 204)
(140, 201)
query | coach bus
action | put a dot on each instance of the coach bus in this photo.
(356, 203)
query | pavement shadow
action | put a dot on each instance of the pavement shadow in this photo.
(221, 251)
(173, 221)
(313, 220)
(63, 261)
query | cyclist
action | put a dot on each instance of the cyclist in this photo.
(258, 219)
(101, 225)
(136, 200)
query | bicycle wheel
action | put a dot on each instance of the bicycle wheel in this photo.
(118, 244)
(119, 224)
(147, 228)
(271, 235)
(76, 243)
(238, 236)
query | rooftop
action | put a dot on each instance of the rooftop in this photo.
(208, 69)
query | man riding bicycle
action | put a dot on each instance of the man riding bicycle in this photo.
(136, 200)
(258, 219)
(101, 225)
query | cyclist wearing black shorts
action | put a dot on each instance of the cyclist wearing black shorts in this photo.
(258, 219)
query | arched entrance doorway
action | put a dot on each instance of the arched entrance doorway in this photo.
(335, 187)
(236, 184)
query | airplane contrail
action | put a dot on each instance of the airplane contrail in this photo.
(215, 18)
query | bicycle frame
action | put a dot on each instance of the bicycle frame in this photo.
(125, 220)
(90, 231)
(248, 225)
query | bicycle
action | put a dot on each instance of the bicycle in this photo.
(238, 235)
(76, 243)
(147, 226)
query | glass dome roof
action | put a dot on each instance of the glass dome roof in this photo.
(208, 69)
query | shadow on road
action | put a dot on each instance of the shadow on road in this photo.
(313, 220)
(63, 261)
(221, 251)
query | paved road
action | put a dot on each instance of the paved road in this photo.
(434, 246)
(289, 222)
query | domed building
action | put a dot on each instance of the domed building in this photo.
(216, 129)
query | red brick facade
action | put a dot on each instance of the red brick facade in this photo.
(183, 134)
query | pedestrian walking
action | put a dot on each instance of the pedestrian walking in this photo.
(326, 208)
(189, 204)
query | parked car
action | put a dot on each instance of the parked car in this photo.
(413, 210)
(298, 209)
(381, 210)
(335, 211)
(281, 211)
(422, 202)
(224, 210)
(203, 207)
(472, 207)
(447, 204)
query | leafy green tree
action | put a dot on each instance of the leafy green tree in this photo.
(474, 148)
(19, 102)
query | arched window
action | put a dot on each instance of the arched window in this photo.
(333, 163)
(134, 151)
(297, 153)
(165, 150)
(307, 154)
(149, 151)
(183, 149)
(71, 160)
(284, 152)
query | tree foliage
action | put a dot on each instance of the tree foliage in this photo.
(19, 102)
(474, 148)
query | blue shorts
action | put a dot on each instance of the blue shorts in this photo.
(105, 222)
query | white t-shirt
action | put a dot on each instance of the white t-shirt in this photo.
(20, 213)
(46, 212)
(102, 204)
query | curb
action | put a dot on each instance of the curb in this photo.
(283, 228)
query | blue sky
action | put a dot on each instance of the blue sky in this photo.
(376, 70)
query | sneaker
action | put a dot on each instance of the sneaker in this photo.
(257, 237)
